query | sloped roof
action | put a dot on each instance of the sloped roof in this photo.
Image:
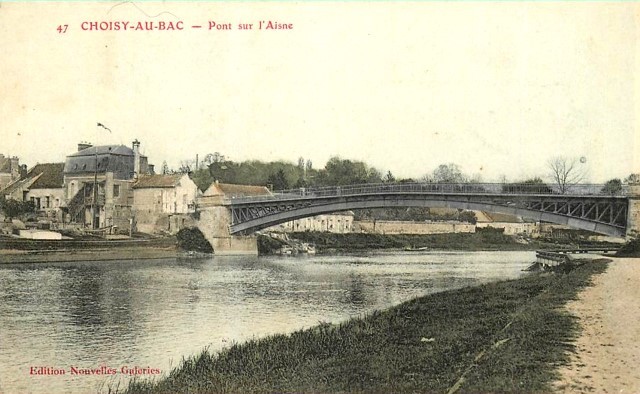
(160, 180)
(118, 159)
(51, 176)
(231, 190)
(104, 149)
(23, 183)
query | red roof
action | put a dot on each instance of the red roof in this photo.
(159, 180)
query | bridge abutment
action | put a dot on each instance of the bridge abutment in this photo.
(214, 224)
(633, 211)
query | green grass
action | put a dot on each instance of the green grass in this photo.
(502, 337)
(483, 239)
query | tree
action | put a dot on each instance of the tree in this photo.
(14, 208)
(186, 166)
(447, 173)
(632, 178)
(531, 186)
(612, 187)
(165, 168)
(214, 157)
(565, 172)
(338, 172)
(202, 178)
(278, 180)
(389, 178)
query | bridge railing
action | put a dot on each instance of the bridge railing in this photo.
(436, 188)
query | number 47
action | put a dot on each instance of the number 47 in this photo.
(62, 28)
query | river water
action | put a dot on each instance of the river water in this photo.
(149, 314)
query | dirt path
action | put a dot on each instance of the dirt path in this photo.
(608, 350)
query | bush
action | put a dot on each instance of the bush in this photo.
(192, 239)
(630, 249)
(268, 245)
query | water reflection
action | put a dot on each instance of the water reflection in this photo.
(152, 313)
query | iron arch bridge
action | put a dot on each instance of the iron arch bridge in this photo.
(584, 207)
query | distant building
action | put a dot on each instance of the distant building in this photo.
(228, 190)
(163, 202)
(98, 183)
(341, 222)
(511, 225)
(406, 227)
(43, 185)
(10, 170)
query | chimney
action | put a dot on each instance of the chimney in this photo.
(14, 164)
(83, 146)
(136, 157)
(152, 170)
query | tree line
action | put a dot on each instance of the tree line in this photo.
(562, 173)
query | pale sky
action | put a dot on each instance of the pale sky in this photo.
(496, 87)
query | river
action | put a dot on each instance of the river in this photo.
(150, 314)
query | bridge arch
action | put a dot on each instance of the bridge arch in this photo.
(342, 204)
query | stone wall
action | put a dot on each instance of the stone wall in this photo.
(403, 227)
(530, 229)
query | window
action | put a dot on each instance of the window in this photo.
(116, 191)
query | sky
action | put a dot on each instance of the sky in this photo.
(497, 87)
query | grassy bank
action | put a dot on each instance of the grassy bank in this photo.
(483, 239)
(500, 337)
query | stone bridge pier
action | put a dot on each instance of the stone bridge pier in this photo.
(214, 222)
(633, 211)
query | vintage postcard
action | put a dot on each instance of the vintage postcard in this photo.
(345, 196)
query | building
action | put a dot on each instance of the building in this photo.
(228, 190)
(10, 170)
(44, 186)
(341, 222)
(511, 225)
(98, 183)
(406, 227)
(47, 190)
(163, 202)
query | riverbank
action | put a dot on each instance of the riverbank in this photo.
(10, 256)
(17, 250)
(607, 352)
(505, 336)
(484, 239)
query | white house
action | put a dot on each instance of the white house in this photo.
(163, 202)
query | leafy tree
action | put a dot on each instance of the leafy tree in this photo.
(338, 172)
(202, 178)
(612, 187)
(278, 180)
(14, 208)
(214, 157)
(632, 178)
(447, 173)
